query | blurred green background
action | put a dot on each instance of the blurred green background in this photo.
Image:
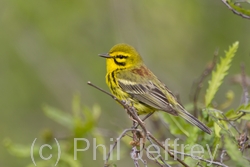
(48, 52)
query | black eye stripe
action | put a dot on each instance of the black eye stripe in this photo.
(121, 56)
(119, 63)
(120, 60)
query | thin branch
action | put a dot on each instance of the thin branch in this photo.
(228, 121)
(143, 119)
(196, 157)
(234, 10)
(200, 158)
(245, 94)
(246, 158)
(219, 124)
(207, 71)
(243, 141)
(134, 156)
(154, 158)
(169, 153)
(149, 139)
(198, 164)
(147, 116)
(239, 117)
(89, 83)
(115, 144)
(222, 155)
(145, 163)
(244, 98)
(132, 112)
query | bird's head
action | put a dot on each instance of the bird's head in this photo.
(122, 56)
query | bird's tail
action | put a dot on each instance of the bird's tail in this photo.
(191, 119)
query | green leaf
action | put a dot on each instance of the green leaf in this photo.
(59, 116)
(230, 114)
(217, 129)
(244, 108)
(219, 74)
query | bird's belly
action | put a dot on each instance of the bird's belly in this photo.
(141, 108)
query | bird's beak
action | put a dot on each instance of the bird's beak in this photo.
(105, 55)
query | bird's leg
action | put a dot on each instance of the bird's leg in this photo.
(147, 116)
(132, 110)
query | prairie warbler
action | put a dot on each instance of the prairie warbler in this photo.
(129, 79)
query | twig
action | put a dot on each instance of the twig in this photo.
(199, 83)
(228, 121)
(134, 156)
(147, 116)
(243, 141)
(235, 11)
(131, 111)
(143, 119)
(200, 158)
(148, 134)
(198, 164)
(223, 153)
(145, 163)
(218, 123)
(240, 116)
(89, 83)
(245, 95)
(246, 158)
(154, 158)
(149, 139)
(169, 153)
(114, 145)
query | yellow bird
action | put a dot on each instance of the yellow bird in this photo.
(129, 79)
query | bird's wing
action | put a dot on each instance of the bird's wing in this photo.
(145, 91)
(150, 91)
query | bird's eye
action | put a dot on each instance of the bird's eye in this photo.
(121, 56)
